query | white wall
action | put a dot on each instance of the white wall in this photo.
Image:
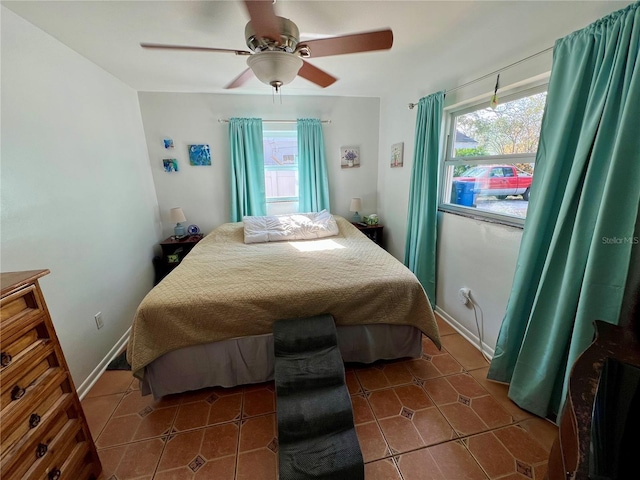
(203, 192)
(77, 194)
(481, 256)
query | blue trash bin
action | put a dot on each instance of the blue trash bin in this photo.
(464, 193)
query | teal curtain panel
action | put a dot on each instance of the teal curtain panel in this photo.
(313, 181)
(422, 221)
(579, 232)
(247, 168)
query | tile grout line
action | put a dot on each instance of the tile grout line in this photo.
(122, 395)
(466, 447)
(415, 379)
(466, 371)
(166, 438)
(397, 465)
(459, 438)
(188, 430)
(235, 470)
(375, 418)
(395, 457)
(380, 427)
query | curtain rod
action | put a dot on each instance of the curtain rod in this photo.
(412, 105)
(226, 120)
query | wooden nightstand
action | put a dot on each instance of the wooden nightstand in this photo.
(173, 251)
(374, 232)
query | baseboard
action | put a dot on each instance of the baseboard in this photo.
(466, 333)
(93, 377)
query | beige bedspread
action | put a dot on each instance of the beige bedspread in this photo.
(225, 289)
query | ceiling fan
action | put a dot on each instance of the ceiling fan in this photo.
(277, 54)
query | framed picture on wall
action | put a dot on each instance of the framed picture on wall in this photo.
(170, 165)
(396, 154)
(349, 157)
(199, 155)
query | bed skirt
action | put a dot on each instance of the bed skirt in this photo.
(246, 360)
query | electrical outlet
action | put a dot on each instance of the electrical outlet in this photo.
(464, 295)
(99, 321)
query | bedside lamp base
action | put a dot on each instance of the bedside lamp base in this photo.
(356, 218)
(179, 230)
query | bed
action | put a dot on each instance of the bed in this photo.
(209, 322)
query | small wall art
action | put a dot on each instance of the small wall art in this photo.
(168, 143)
(170, 165)
(396, 154)
(349, 157)
(199, 155)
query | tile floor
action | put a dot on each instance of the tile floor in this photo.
(436, 417)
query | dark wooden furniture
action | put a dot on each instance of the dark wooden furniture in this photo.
(44, 431)
(173, 251)
(374, 232)
(569, 457)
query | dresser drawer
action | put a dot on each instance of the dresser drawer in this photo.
(21, 378)
(72, 465)
(50, 448)
(42, 407)
(20, 350)
(20, 305)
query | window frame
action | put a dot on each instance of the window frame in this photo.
(448, 160)
(284, 133)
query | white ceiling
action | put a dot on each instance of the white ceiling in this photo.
(439, 43)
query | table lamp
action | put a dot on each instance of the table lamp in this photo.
(177, 215)
(356, 206)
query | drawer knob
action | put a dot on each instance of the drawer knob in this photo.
(34, 420)
(55, 474)
(5, 359)
(41, 451)
(17, 392)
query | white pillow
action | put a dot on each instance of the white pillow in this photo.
(297, 226)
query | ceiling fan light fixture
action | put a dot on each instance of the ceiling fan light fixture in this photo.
(275, 68)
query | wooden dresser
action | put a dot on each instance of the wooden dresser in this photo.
(44, 433)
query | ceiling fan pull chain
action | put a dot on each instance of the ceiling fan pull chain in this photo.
(276, 90)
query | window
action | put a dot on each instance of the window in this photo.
(490, 157)
(281, 170)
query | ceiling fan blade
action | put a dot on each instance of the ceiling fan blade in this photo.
(357, 42)
(241, 79)
(315, 75)
(187, 47)
(263, 19)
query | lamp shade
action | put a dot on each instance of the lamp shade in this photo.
(274, 67)
(356, 205)
(177, 215)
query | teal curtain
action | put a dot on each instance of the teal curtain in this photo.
(577, 239)
(422, 221)
(313, 181)
(247, 168)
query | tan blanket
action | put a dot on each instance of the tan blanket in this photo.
(226, 289)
